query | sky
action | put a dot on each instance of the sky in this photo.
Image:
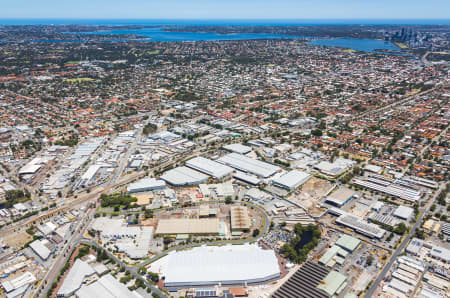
(225, 9)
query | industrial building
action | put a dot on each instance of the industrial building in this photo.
(193, 226)
(249, 165)
(340, 197)
(238, 148)
(246, 178)
(291, 180)
(335, 255)
(333, 283)
(440, 253)
(225, 265)
(390, 188)
(348, 243)
(209, 167)
(221, 190)
(146, 184)
(304, 282)
(18, 285)
(357, 223)
(184, 176)
(39, 247)
(106, 287)
(74, 279)
(336, 168)
(403, 212)
(240, 221)
(133, 241)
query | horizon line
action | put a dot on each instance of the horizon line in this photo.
(213, 19)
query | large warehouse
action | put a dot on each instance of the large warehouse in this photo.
(209, 167)
(238, 148)
(249, 165)
(227, 265)
(183, 176)
(240, 221)
(201, 226)
(291, 180)
(146, 184)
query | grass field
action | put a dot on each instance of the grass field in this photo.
(401, 45)
(72, 62)
(78, 80)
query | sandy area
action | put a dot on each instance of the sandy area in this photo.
(18, 240)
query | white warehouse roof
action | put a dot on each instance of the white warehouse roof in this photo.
(249, 165)
(40, 249)
(211, 265)
(209, 167)
(146, 184)
(106, 287)
(183, 176)
(404, 212)
(238, 148)
(79, 271)
(292, 179)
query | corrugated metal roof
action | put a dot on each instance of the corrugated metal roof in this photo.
(209, 167)
(232, 264)
(184, 176)
(79, 271)
(292, 179)
(249, 165)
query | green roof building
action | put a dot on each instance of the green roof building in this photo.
(333, 283)
(348, 243)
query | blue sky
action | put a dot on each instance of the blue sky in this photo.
(226, 9)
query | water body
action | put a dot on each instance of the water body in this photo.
(305, 238)
(157, 34)
(364, 45)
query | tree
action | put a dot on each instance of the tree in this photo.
(148, 213)
(317, 132)
(228, 200)
(400, 229)
(255, 232)
(369, 260)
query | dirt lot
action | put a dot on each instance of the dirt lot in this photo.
(144, 199)
(18, 240)
(310, 194)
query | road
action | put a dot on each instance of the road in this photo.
(401, 247)
(264, 231)
(132, 270)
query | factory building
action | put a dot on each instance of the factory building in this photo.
(304, 282)
(146, 184)
(193, 226)
(291, 180)
(106, 287)
(403, 212)
(225, 265)
(240, 221)
(340, 197)
(249, 165)
(183, 176)
(209, 167)
(74, 279)
(238, 148)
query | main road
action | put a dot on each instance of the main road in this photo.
(401, 247)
